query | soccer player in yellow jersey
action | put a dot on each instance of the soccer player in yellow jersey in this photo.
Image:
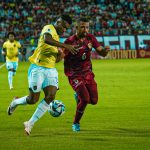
(42, 74)
(11, 51)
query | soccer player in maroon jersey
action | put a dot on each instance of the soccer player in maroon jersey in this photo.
(78, 68)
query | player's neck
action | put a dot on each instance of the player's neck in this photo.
(11, 41)
(56, 28)
(80, 37)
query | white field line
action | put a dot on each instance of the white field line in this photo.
(2, 65)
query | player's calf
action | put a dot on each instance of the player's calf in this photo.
(76, 98)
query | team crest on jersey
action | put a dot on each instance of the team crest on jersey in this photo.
(49, 30)
(76, 81)
(14, 45)
(89, 45)
(83, 56)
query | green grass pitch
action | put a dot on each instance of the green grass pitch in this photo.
(120, 120)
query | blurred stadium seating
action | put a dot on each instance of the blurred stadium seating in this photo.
(107, 17)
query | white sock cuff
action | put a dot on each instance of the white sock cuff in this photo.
(20, 101)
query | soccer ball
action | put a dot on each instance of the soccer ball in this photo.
(56, 108)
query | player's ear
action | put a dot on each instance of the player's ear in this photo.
(57, 22)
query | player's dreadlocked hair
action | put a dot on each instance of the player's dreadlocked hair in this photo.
(66, 18)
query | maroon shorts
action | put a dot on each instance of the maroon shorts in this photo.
(85, 86)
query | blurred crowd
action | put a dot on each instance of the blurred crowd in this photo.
(107, 17)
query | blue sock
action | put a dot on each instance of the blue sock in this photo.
(39, 112)
(10, 78)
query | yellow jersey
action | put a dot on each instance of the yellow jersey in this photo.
(12, 50)
(45, 54)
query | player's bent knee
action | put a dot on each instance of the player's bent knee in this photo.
(49, 98)
(34, 101)
(11, 69)
(31, 100)
(85, 98)
(94, 101)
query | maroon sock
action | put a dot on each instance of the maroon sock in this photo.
(79, 112)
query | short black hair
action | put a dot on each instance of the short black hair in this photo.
(11, 33)
(83, 19)
(66, 18)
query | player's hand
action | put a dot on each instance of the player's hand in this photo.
(104, 51)
(107, 49)
(71, 48)
(3, 53)
(60, 56)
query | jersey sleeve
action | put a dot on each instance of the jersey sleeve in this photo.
(19, 45)
(95, 43)
(4, 45)
(67, 41)
(47, 29)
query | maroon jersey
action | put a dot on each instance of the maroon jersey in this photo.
(81, 62)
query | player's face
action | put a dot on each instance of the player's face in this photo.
(62, 26)
(83, 29)
(11, 37)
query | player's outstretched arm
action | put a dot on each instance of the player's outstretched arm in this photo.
(49, 40)
(60, 55)
(4, 52)
(103, 51)
(21, 51)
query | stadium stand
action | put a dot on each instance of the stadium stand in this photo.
(107, 17)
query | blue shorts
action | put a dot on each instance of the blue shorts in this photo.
(12, 65)
(40, 77)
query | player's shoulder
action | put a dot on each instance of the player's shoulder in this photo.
(89, 35)
(49, 29)
(49, 26)
(6, 41)
(16, 42)
(71, 38)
